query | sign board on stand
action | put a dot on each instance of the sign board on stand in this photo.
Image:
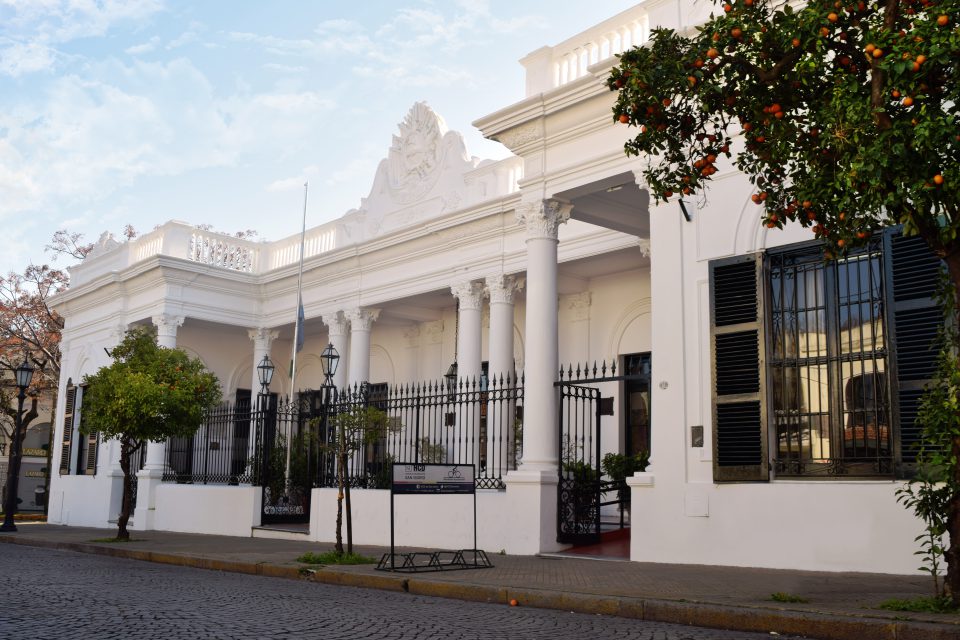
(433, 479)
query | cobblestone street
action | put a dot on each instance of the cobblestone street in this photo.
(51, 595)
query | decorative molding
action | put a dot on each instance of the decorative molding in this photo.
(470, 295)
(578, 304)
(644, 244)
(105, 244)
(433, 331)
(502, 288)
(336, 323)
(467, 230)
(522, 135)
(362, 319)
(262, 337)
(543, 219)
(412, 336)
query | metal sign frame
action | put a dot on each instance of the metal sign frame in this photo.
(416, 478)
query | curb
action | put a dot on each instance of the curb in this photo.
(825, 626)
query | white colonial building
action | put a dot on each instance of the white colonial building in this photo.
(775, 394)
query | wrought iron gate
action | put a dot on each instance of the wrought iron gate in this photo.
(579, 490)
(285, 462)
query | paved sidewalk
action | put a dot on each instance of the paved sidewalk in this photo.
(840, 605)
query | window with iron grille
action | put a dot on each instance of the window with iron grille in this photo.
(828, 382)
(818, 366)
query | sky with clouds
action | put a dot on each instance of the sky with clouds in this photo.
(142, 111)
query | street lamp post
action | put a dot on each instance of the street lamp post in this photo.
(24, 374)
(329, 359)
(265, 376)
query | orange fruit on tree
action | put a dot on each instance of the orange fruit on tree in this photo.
(832, 17)
(943, 20)
(736, 32)
(908, 101)
(877, 52)
(712, 53)
(624, 118)
(938, 179)
(921, 59)
(795, 42)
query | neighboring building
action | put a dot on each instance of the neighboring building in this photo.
(34, 466)
(775, 393)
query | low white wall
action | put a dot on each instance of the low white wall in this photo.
(84, 501)
(213, 509)
(439, 522)
(818, 526)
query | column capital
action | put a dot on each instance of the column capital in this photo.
(470, 294)
(362, 319)
(117, 332)
(640, 178)
(336, 322)
(644, 244)
(543, 218)
(502, 288)
(167, 324)
(263, 337)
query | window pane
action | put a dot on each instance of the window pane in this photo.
(828, 386)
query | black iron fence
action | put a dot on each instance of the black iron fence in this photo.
(220, 452)
(289, 447)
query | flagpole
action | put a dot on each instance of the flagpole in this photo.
(298, 320)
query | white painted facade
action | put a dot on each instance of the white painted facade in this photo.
(604, 275)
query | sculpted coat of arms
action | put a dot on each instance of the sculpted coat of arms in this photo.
(415, 155)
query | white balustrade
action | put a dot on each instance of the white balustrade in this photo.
(556, 66)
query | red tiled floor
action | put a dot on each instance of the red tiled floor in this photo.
(613, 544)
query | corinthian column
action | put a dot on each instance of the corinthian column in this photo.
(501, 410)
(361, 321)
(337, 327)
(542, 221)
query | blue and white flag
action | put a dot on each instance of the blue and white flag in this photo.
(300, 327)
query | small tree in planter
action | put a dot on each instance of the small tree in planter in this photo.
(148, 393)
(618, 466)
(352, 431)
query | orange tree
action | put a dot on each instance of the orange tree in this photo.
(149, 393)
(844, 115)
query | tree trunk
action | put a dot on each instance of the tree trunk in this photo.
(349, 514)
(125, 451)
(340, 477)
(952, 553)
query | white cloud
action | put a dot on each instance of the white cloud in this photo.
(283, 68)
(20, 58)
(65, 20)
(145, 47)
(90, 136)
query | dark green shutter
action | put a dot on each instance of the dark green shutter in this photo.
(87, 445)
(914, 319)
(69, 402)
(739, 403)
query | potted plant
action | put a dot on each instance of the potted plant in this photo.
(617, 466)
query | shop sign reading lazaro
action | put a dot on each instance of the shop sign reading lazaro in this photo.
(433, 478)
